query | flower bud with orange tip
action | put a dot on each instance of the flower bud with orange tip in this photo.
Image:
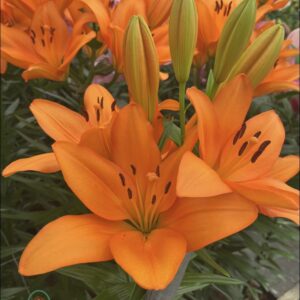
(183, 30)
(259, 58)
(141, 67)
(234, 38)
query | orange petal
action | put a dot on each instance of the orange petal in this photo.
(161, 40)
(169, 104)
(275, 87)
(158, 12)
(197, 179)
(275, 212)
(151, 260)
(17, 48)
(98, 98)
(133, 143)
(268, 192)
(285, 168)
(207, 125)
(232, 103)
(251, 152)
(67, 241)
(203, 221)
(98, 140)
(44, 70)
(96, 181)
(45, 163)
(59, 122)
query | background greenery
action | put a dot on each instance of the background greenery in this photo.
(233, 268)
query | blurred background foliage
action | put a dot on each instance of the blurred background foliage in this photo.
(240, 267)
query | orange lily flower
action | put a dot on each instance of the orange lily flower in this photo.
(212, 16)
(285, 74)
(136, 217)
(47, 48)
(63, 124)
(237, 157)
(113, 24)
(269, 6)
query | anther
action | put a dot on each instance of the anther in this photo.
(257, 134)
(113, 106)
(153, 201)
(97, 115)
(101, 103)
(52, 30)
(85, 115)
(133, 169)
(229, 8)
(167, 188)
(43, 42)
(122, 177)
(33, 33)
(42, 30)
(260, 151)
(157, 171)
(129, 192)
(243, 148)
(239, 134)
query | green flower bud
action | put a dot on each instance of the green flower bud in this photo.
(183, 29)
(234, 38)
(141, 67)
(259, 58)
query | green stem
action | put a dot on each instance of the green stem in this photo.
(182, 109)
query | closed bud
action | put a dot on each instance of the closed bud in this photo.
(141, 68)
(183, 29)
(260, 57)
(234, 38)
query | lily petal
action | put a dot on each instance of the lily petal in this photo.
(59, 122)
(268, 192)
(285, 168)
(207, 125)
(197, 179)
(169, 104)
(203, 221)
(67, 241)
(133, 143)
(151, 260)
(44, 70)
(44, 163)
(96, 181)
(232, 103)
(275, 212)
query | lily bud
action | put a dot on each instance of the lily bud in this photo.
(141, 67)
(183, 30)
(259, 58)
(234, 38)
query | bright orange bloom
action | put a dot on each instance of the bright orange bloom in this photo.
(46, 49)
(63, 124)
(136, 217)
(113, 24)
(285, 74)
(212, 16)
(269, 6)
(238, 157)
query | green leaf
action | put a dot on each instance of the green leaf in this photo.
(10, 293)
(195, 281)
(204, 256)
(7, 251)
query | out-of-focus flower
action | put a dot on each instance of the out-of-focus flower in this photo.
(47, 47)
(112, 24)
(212, 16)
(63, 124)
(237, 157)
(136, 218)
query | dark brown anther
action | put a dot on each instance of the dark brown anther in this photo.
(32, 33)
(133, 169)
(129, 192)
(113, 106)
(85, 115)
(167, 188)
(157, 171)
(122, 177)
(260, 151)
(42, 30)
(102, 103)
(229, 8)
(51, 39)
(221, 5)
(98, 100)
(243, 148)
(97, 115)
(153, 201)
(32, 39)
(225, 11)
(52, 30)
(217, 7)
(43, 42)
(239, 134)
(257, 134)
